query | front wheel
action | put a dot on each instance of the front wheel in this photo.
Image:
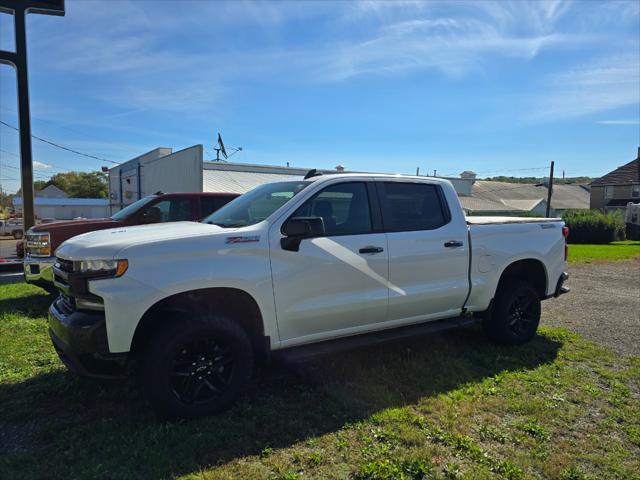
(515, 315)
(196, 366)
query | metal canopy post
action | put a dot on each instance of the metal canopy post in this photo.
(18, 60)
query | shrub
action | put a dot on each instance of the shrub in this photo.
(593, 226)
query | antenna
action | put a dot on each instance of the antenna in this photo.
(312, 173)
(220, 148)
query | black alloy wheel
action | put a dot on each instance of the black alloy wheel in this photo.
(515, 315)
(195, 366)
(523, 312)
(201, 371)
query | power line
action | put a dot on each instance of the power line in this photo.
(44, 175)
(65, 127)
(50, 164)
(62, 147)
(503, 170)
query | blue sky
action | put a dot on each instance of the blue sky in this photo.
(495, 87)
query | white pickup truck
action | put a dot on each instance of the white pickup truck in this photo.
(294, 265)
(11, 227)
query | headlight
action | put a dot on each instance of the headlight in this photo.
(115, 267)
(38, 244)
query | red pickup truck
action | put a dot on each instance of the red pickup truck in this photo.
(42, 240)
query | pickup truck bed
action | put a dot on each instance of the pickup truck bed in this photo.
(507, 220)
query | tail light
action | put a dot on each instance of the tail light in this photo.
(565, 234)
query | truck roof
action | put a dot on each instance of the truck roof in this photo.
(321, 177)
(196, 194)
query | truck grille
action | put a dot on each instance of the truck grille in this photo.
(66, 305)
(64, 265)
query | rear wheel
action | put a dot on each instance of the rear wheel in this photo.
(196, 366)
(515, 315)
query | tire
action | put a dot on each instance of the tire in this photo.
(17, 234)
(196, 366)
(515, 315)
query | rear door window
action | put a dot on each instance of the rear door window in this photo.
(412, 207)
(170, 210)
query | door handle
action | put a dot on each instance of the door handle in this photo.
(453, 243)
(371, 249)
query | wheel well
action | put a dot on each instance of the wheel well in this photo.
(531, 270)
(232, 302)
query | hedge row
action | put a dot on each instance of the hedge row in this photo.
(593, 226)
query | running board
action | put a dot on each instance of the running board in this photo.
(305, 353)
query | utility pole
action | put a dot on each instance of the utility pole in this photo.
(417, 171)
(18, 60)
(550, 189)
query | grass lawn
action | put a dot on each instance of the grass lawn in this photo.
(444, 406)
(611, 251)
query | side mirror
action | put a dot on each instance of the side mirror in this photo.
(298, 228)
(151, 215)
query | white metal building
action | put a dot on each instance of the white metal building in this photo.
(61, 208)
(187, 171)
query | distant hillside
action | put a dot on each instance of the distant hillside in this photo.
(539, 180)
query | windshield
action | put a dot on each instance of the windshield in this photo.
(256, 205)
(134, 207)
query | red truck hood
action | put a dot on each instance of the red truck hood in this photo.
(84, 225)
(61, 231)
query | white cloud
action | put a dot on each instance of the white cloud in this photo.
(620, 122)
(587, 89)
(152, 60)
(40, 165)
(451, 37)
(195, 96)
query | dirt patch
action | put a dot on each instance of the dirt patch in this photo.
(603, 306)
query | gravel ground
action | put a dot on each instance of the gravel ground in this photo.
(603, 305)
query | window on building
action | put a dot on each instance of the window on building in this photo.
(635, 191)
(608, 192)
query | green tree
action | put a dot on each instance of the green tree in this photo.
(39, 185)
(82, 184)
(76, 184)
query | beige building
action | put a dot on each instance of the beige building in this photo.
(617, 188)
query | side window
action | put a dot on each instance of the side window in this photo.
(411, 207)
(208, 205)
(170, 210)
(344, 208)
(608, 192)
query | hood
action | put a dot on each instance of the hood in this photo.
(75, 226)
(105, 244)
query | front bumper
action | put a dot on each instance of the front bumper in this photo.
(39, 271)
(80, 339)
